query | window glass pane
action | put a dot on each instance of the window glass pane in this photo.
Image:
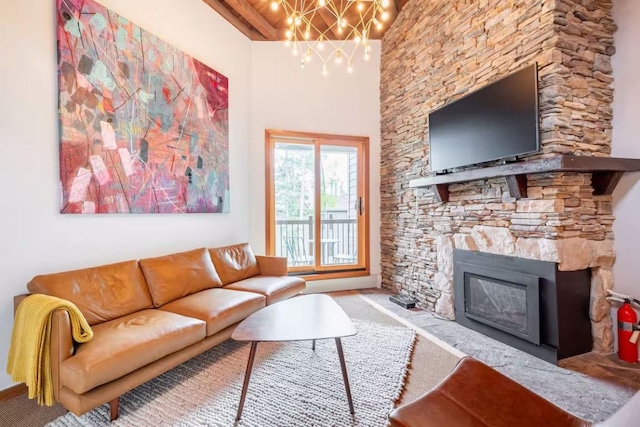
(294, 202)
(339, 204)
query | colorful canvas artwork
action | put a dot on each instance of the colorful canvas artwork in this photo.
(143, 126)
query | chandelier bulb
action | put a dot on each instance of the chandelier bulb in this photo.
(274, 5)
(289, 34)
(350, 67)
(307, 34)
(289, 20)
(338, 57)
(287, 43)
(339, 29)
(361, 6)
(320, 45)
(295, 51)
(385, 15)
(298, 21)
(385, 3)
(324, 69)
(343, 23)
(366, 56)
(322, 2)
(356, 39)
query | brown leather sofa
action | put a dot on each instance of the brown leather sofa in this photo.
(150, 315)
(476, 395)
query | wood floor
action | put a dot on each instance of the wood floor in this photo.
(606, 367)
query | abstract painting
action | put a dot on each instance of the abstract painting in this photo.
(143, 126)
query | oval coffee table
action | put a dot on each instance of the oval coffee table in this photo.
(307, 317)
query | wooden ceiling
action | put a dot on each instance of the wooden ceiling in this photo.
(256, 20)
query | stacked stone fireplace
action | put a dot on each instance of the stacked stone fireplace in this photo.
(436, 52)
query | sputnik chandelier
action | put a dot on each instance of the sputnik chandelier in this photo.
(351, 22)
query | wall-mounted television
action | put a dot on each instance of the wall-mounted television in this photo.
(496, 122)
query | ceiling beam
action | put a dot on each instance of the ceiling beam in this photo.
(281, 33)
(393, 12)
(254, 18)
(226, 14)
(400, 4)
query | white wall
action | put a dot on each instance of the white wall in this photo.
(286, 97)
(35, 238)
(626, 143)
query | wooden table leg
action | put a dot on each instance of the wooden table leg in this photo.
(247, 377)
(114, 408)
(344, 374)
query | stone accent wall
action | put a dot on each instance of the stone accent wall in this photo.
(436, 52)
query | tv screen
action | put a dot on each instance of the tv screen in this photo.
(496, 122)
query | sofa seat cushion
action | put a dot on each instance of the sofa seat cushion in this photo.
(123, 345)
(219, 308)
(274, 288)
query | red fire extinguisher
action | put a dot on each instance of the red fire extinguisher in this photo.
(628, 328)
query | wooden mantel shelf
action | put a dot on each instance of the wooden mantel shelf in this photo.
(606, 172)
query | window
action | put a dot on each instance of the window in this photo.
(317, 185)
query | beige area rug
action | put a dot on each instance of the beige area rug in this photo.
(432, 360)
(291, 385)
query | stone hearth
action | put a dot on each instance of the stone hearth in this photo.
(571, 254)
(590, 398)
(437, 52)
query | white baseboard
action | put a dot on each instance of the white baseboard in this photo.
(345, 284)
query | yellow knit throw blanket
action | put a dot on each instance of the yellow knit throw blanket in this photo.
(30, 350)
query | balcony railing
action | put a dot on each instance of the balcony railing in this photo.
(295, 239)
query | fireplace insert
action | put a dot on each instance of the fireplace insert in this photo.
(528, 304)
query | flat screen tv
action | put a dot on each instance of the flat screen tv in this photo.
(496, 122)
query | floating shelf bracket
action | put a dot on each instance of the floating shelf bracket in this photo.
(517, 185)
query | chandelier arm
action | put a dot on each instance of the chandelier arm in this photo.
(311, 8)
(301, 16)
(331, 7)
(310, 25)
(367, 25)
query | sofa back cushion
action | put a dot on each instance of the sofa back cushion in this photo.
(235, 263)
(101, 293)
(175, 276)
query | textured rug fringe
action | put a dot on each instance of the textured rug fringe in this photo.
(405, 372)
